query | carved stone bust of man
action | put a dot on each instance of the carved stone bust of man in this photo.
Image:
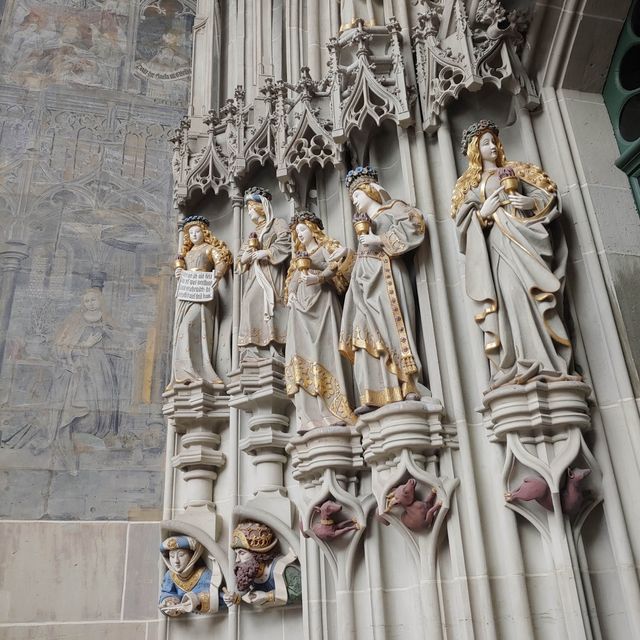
(264, 577)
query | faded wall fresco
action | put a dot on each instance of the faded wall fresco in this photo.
(88, 94)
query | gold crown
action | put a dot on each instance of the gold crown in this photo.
(253, 536)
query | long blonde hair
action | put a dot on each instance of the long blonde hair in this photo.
(220, 248)
(472, 176)
(319, 236)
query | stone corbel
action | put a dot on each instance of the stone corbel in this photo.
(542, 427)
(258, 388)
(326, 462)
(339, 550)
(401, 442)
(198, 412)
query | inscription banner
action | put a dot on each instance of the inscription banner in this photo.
(196, 286)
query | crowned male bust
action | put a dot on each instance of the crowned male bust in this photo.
(264, 577)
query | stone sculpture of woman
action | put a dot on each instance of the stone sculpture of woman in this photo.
(263, 260)
(314, 369)
(505, 214)
(353, 10)
(377, 332)
(196, 318)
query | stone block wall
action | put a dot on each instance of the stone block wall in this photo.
(88, 94)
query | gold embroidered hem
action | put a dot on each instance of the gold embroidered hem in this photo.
(380, 398)
(190, 582)
(317, 381)
(408, 362)
(259, 339)
(400, 367)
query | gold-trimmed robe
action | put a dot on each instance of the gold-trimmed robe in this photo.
(515, 276)
(263, 318)
(314, 369)
(378, 322)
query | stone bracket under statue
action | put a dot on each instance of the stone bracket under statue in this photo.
(401, 442)
(542, 426)
(197, 413)
(326, 462)
(257, 387)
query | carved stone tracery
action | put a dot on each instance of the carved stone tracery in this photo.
(453, 56)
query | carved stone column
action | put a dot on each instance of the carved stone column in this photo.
(198, 412)
(258, 388)
(12, 253)
(542, 425)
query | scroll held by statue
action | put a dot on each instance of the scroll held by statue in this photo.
(196, 286)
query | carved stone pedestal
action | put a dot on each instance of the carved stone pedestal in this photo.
(537, 406)
(258, 388)
(326, 463)
(401, 442)
(197, 412)
(335, 448)
(410, 425)
(542, 425)
(400, 439)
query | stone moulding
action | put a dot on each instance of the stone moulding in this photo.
(528, 409)
(415, 426)
(336, 448)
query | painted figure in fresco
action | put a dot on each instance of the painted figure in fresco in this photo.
(85, 391)
(264, 577)
(87, 383)
(196, 318)
(263, 260)
(314, 372)
(377, 332)
(506, 216)
(187, 584)
(168, 57)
